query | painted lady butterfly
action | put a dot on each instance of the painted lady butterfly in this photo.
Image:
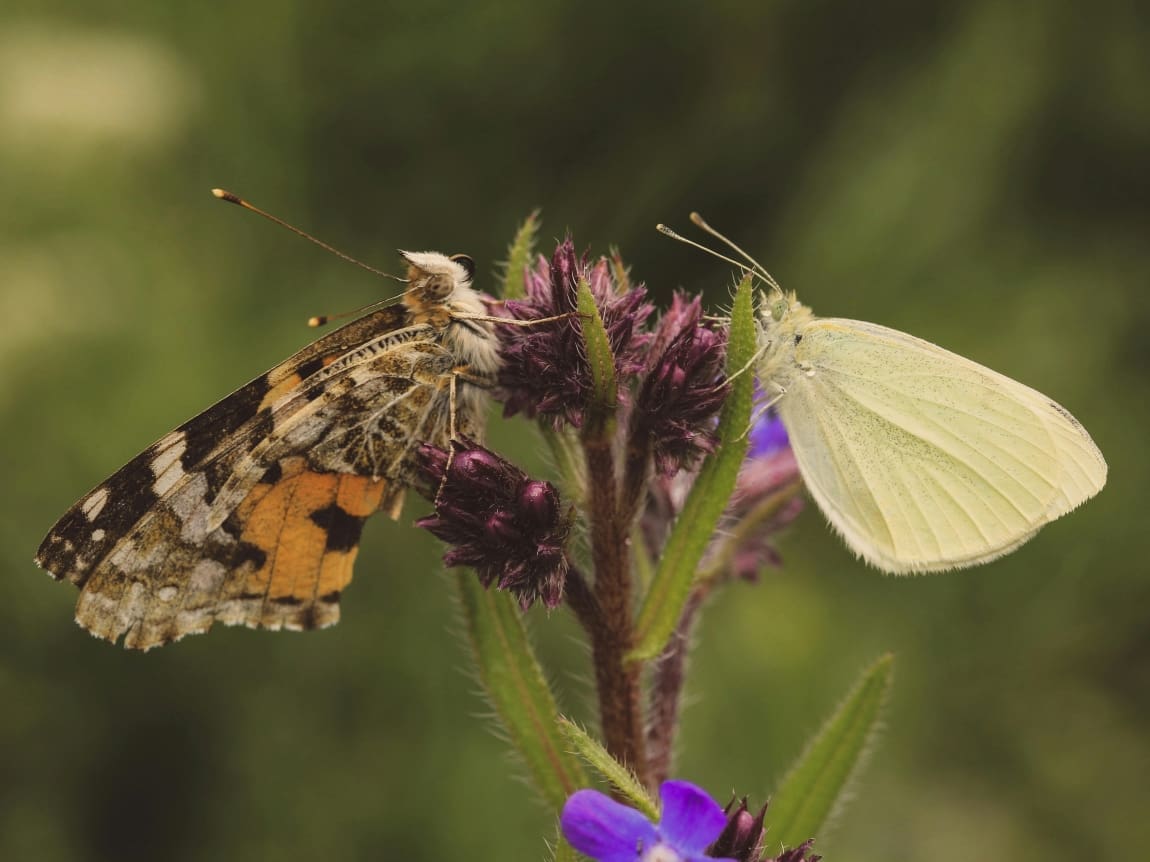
(251, 512)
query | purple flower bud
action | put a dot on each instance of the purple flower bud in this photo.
(510, 528)
(501, 527)
(484, 471)
(545, 370)
(537, 501)
(744, 836)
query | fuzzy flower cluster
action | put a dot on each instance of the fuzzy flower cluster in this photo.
(683, 388)
(676, 367)
(510, 528)
(546, 371)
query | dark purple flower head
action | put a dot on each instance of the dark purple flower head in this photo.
(608, 831)
(743, 838)
(510, 528)
(545, 368)
(684, 387)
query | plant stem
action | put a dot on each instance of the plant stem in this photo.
(617, 681)
(635, 472)
(582, 600)
(667, 690)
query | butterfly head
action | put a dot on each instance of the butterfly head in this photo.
(779, 307)
(779, 310)
(438, 281)
(440, 294)
(781, 320)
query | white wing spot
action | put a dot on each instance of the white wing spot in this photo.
(207, 576)
(97, 535)
(94, 503)
(167, 593)
(166, 465)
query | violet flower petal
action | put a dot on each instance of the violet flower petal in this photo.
(767, 436)
(605, 830)
(691, 820)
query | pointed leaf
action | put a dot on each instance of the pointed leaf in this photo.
(815, 787)
(518, 691)
(619, 776)
(519, 255)
(604, 386)
(713, 487)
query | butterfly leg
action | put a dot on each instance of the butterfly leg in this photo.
(459, 374)
(452, 406)
(512, 321)
(750, 363)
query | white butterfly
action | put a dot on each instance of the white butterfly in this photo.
(921, 459)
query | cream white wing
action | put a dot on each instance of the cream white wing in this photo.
(924, 460)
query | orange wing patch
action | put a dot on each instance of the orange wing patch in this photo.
(307, 526)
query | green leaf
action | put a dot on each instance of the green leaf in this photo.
(518, 691)
(814, 788)
(618, 775)
(640, 559)
(675, 574)
(750, 523)
(519, 255)
(604, 386)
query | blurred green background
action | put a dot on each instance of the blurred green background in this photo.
(974, 173)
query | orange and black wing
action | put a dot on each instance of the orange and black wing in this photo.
(152, 568)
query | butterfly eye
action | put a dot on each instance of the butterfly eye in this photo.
(779, 308)
(467, 263)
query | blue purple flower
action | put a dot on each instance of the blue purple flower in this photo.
(608, 831)
(767, 436)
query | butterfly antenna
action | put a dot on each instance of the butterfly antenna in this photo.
(322, 319)
(698, 221)
(240, 202)
(666, 231)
